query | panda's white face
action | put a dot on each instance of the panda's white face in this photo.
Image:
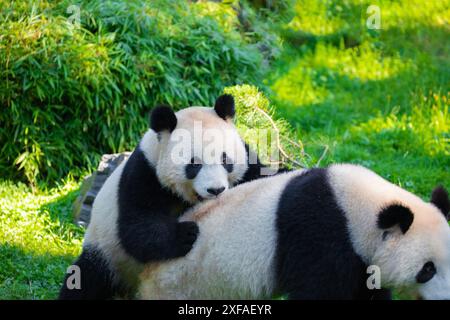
(420, 257)
(202, 157)
(438, 287)
(391, 228)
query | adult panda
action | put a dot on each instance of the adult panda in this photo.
(311, 235)
(186, 156)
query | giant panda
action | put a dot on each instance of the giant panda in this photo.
(187, 156)
(311, 234)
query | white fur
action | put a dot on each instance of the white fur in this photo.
(211, 176)
(150, 146)
(234, 253)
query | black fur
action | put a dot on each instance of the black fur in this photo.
(96, 278)
(193, 168)
(255, 166)
(147, 229)
(426, 273)
(224, 107)
(315, 257)
(395, 214)
(163, 118)
(227, 163)
(439, 198)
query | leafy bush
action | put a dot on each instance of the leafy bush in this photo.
(71, 92)
(272, 138)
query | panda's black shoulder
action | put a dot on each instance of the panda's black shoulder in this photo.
(139, 185)
(313, 184)
(138, 172)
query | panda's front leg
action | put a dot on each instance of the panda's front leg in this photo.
(153, 237)
(186, 235)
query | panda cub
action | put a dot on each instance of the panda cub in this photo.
(311, 234)
(185, 157)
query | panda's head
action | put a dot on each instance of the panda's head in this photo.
(414, 246)
(200, 153)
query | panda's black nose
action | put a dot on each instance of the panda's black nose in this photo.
(215, 191)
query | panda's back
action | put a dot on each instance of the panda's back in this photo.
(229, 260)
(271, 235)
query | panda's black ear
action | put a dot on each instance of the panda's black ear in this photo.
(163, 118)
(439, 198)
(395, 215)
(224, 107)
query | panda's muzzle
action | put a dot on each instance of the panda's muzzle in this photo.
(212, 191)
(215, 191)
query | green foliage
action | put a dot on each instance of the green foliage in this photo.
(71, 92)
(281, 9)
(272, 138)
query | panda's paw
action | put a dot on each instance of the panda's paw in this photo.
(187, 233)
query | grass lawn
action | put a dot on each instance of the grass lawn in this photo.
(377, 98)
(374, 97)
(37, 239)
(381, 101)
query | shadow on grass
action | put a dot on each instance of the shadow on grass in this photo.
(298, 38)
(60, 210)
(362, 120)
(349, 99)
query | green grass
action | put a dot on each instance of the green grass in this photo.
(379, 98)
(37, 239)
(383, 102)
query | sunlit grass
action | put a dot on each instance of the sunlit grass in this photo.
(383, 102)
(298, 84)
(312, 75)
(407, 13)
(37, 239)
(318, 18)
(365, 62)
(424, 131)
(380, 100)
(327, 17)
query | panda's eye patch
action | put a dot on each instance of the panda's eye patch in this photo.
(227, 162)
(193, 167)
(427, 273)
